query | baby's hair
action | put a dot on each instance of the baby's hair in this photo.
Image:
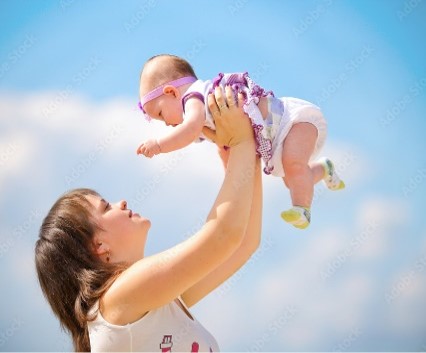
(163, 68)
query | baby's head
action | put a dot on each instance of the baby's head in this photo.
(163, 80)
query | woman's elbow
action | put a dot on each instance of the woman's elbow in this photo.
(234, 235)
(253, 244)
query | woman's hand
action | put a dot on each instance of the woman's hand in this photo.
(232, 124)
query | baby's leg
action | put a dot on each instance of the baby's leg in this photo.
(297, 150)
(318, 171)
(299, 176)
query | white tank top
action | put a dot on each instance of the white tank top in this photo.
(166, 329)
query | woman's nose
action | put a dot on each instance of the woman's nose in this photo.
(123, 204)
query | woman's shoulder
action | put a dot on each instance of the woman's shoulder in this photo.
(114, 305)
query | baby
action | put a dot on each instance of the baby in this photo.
(289, 131)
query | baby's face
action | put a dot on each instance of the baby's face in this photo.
(166, 108)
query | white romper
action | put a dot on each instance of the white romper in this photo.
(270, 132)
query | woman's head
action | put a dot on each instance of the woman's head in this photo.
(122, 233)
(81, 249)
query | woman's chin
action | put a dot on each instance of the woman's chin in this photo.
(145, 222)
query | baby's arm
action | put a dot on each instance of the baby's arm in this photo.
(185, 133)
(182, 135)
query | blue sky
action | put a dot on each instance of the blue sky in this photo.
(355, 280)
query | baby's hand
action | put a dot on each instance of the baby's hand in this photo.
(149, 148)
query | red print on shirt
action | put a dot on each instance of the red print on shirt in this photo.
(167, 344)
(195, 347)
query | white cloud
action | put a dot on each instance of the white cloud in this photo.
(377, 217)
(40, 126)
(406, 309)
(17, 153)
(384, 211)
(351, 162)
(321, 304)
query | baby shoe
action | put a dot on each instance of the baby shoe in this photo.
(300, 217)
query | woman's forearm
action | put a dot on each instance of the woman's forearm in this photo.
(240, 255)
(252, 236)
(231, 209)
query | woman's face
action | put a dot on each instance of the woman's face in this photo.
(123, 234)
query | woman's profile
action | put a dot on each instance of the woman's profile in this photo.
(110, 296)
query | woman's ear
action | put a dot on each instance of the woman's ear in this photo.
(100, 247)
(171, 90)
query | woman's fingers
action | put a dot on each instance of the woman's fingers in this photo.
(220, 99)
(209, 133)
(232, 124)
(230, 96)
(240, 98)
(214, 109)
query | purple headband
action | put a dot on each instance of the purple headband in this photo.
(158, 91)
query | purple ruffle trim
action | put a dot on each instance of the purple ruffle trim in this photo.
(242, 83)
(263, 148)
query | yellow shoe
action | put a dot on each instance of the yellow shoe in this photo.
(299, 217)
(331, 179)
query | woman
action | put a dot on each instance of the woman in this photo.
(92, 268)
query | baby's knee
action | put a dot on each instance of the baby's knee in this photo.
(294, 166)
(285, 179)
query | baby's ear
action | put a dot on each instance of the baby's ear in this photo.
(170, 90)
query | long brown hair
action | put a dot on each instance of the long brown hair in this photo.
(71, 275)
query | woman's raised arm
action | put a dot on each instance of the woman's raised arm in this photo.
(251, 239)
(157, 280)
